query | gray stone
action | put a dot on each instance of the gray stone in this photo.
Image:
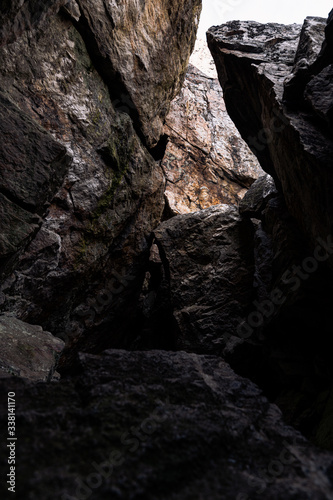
(253, 62)
(208, 257)
(159, 425)
(257, 196)
(27, 351)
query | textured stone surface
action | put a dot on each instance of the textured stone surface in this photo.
(318, 93)
(202, 59)
(309, 47)
(276, 80)
(17, 227)
(18, 16)
(159, 425)
(145, 46)
(208, 257)
(253, 62)
(32, 163)
(206, 162)
(257, 197)
(27, 351)
(86, 83)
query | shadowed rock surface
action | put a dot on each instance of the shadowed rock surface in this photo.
(27, 351)
(276, 81)
(291, 140)
(208, 261)
(84, 92)
(160, 425)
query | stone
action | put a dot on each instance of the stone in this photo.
(318, 93)
(32, 163)
(206, 162)
(256, 198)
(19, 16)
(309, 47)
(144, 47)
(69, 77)
(27, 351)
(208, 260)
(17, 228)
(253, 61)
(158, 425)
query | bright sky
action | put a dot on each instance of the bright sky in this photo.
(216, 12)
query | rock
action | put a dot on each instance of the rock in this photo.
(318, 93)
(144, 48)
(208, 260)
(206, 162)
(27, 351)
(68, 81)
(202, 59)
(18, 16)
(309, 47)
(32, 163)
(17, 227)
(256, 198)
(159, 425)
(253, 62)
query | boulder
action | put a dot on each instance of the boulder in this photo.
(85, 87)
(256, 63)
(142, 49)
(208, 261)
(27, 351)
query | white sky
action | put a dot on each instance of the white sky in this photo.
(215, 12)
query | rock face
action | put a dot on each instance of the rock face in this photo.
(207, 259)
(27, 351)
(160, 425)
(84, 91)
(206, 162)
(276, 81)
(262, 68)
(145, 47)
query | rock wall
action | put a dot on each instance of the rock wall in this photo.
(262, 68)
(206, 162)
(160, 425)
(275, 80)
(84, 92)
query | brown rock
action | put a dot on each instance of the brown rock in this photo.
(206, 161)
(145, 49)
(81, 276)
